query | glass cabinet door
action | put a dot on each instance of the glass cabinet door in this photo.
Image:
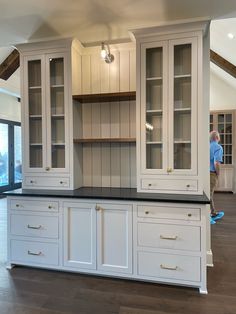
(57, 107)
(225, 128)
(35, 107)
(154, 111)
(183, 105)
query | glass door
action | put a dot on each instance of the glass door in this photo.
(35, 123)
(225, 128)
(57, 97)
(183, 106)
(153, 115)
(10, 155)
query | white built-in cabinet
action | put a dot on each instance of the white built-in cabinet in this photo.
(169, 108)
(152, 241)
(47, 72)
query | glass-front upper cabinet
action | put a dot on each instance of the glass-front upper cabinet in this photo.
(169, 107)
(34, 102)
(47, 95)
(154, 115)
(183, 106)
(56, 111)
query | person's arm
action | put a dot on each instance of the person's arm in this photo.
(217, 167)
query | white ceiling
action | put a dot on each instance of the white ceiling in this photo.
(97, 20)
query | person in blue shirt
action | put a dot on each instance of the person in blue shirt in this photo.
(216, 157)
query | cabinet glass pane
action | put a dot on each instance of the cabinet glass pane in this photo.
(57, 112)
(35, 113)
(154, 120)
(182, 156)
(154, 156)
(182, 106)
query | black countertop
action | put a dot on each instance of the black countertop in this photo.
(113, 194)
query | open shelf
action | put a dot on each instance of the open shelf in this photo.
(105, 140)
(156, 78)
(34, 87)
(154, 112)
(105, 97)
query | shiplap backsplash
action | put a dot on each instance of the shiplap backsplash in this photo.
(109, 164)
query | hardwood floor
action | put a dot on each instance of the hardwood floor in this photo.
(33, 291)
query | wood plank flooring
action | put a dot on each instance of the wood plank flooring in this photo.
(32, 291)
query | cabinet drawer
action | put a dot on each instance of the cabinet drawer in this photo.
(164, 212)
(34, 205)
(47, 182)
(169, 266)
(34, 252)
(34, 226)
(172, 185)
(169, 236)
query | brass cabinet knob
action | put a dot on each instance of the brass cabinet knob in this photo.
(169, 170)
(49, 206)
(189, 215)
(149, 184)
(17, 205)
(47, 168)
(146, 212)
(188, 185)
(98, 208)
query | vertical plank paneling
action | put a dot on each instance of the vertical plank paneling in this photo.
(124, 71)
(124, 119)
(104, 68)
(96, 120)
(132, 107)
(86, 74)
(115, 119)
(115, 165)
(114, 73)
(106, 165)
(125, 165)
(133, 178)
(132, 70)
(87, 165)
(105, 120)
(95, 74)
(96, 165)
(86, 118)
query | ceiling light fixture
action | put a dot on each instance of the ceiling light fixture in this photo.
(230, 35)
(106, 54)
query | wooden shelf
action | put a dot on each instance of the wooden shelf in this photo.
(105, 140)
(108, 97)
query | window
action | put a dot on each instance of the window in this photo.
(10, 155)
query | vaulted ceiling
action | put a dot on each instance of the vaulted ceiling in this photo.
(97, 20)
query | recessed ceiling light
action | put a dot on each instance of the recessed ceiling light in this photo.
(230, 35)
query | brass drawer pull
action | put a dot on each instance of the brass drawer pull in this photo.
(168, 267)
(35, 254)
(17, 205)
(47, 168)
(149, 184)
(50, 207)
(168, 237)
(62, 182)
(34, 227)
(188, 185)
(146, 212)
(189, 215)
(31, 181)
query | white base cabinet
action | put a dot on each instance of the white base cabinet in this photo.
(149, 241)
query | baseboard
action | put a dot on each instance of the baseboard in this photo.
(209, 259)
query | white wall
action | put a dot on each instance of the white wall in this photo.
(222, 94)
(10, 108)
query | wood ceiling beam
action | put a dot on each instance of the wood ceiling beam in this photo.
(10, 65)
(223, 63)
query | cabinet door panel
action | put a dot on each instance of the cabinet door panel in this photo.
(183, 106)
(154, 107)
(57, 112)
(114, 238)
(35, 122)
(80, 235)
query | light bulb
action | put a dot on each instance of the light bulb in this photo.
(230, 35)
(103, 53)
